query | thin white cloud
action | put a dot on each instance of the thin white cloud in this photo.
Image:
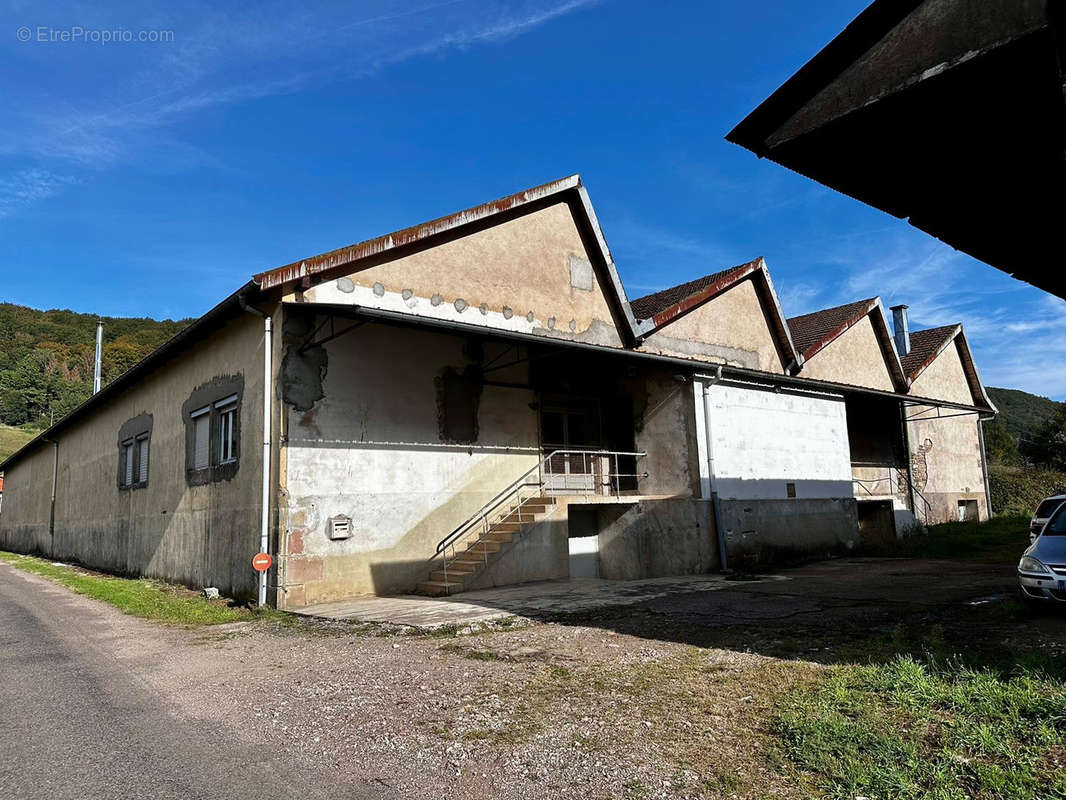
(222, 58)
(28, 186)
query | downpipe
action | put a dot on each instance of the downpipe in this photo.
(708, 382)
(268, 393)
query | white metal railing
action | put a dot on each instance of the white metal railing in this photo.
(572, 472)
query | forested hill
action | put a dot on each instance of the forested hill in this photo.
(1021, 413)
(46, 358)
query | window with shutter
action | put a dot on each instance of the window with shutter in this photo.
(142, 459)
(127, 464)
(227, 440)
(201, 438)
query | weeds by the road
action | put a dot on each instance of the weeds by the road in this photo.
(924, 729)
(149, 599)
(999, 540)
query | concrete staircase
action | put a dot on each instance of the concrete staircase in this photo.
(458, 566)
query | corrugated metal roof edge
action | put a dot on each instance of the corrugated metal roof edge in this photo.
(202, 325)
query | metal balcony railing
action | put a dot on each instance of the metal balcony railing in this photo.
(570, 472)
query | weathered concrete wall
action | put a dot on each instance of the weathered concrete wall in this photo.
(371, 449)
(946, 464)
(200, 535)
(531, 274)
(667, 433)
(944, 379)
(732, 328)
(855, 357)
(656, 539)
(767, 531)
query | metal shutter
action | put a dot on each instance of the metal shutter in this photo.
(127, 468)
(142, 460)
(201, 441)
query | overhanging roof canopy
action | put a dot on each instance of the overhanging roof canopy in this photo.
(949, 113)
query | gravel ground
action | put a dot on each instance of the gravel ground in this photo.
(653, 700)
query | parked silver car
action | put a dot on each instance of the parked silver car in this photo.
(1042, 569)
(1043, 514)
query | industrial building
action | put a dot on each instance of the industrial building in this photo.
(474, 401)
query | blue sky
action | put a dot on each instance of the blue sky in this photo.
(153, 178)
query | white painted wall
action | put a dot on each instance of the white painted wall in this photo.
(760, 440)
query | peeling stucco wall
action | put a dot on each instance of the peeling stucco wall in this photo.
(855, 357)
(731, 328)
(531, 274)
(946, 462)
(371, 449)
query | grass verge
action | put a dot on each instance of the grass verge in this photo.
(915, 728)
(148, 599)
(11, 439)
(999, 540)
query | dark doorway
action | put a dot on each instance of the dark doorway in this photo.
(877, 523)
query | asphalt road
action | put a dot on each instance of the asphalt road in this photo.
(76, 722)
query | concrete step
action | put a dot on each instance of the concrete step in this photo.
(483, 546)
(459, 567)
(439, 588)
(453, 576)
(508, 525)
(500, 536)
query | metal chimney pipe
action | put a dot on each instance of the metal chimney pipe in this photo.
(901, 330)
(99, 354)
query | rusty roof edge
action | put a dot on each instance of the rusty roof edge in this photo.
(782, 323)
(350, 254)
(839, 330)
(940, 348)
(686, 304)
(964, 348)
(636, 333)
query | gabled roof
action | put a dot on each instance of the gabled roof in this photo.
(813, 332)
(652, 305)
(655, 311)
(569, 189)
(928, 344)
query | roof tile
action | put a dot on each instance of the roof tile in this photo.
(811, 330)
(649, 305)
(924, 345)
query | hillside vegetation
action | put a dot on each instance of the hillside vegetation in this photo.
(46, 362)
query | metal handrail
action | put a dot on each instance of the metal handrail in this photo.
(515, 488)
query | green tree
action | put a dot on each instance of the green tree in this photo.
(1000, 447)
(1048, 446)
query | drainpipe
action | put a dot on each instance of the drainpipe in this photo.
(268, 392)
(708, 382)
(984, 463)
(52, 511)
(99, 355)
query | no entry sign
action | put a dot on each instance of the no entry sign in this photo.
(261, 562)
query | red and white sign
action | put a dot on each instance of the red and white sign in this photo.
(261, 562)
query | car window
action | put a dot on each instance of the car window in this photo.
(1056, 526)
(1043, 511)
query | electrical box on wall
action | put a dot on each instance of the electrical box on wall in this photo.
(339, 527)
